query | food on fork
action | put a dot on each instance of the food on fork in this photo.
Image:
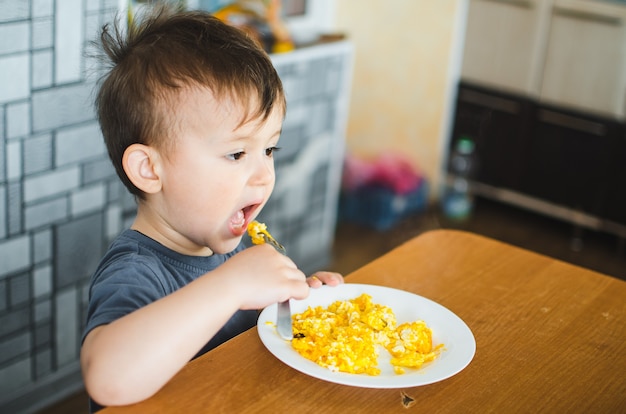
(259, 235)
(346, 337)
(257, 232)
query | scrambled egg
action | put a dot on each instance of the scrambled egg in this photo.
(256, 231)
(348, 335)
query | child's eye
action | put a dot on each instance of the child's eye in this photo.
(271, 150)
(236, 156)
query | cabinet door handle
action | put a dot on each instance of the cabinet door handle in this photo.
(526, 4)
(588, 16)
(490, 101)
(572, 122)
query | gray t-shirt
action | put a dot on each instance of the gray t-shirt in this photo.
(136, 270)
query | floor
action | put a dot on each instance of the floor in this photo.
(601, 252)
(356, 245)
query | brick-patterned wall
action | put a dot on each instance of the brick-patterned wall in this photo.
(61, 202)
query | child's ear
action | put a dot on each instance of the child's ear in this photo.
(141, 164)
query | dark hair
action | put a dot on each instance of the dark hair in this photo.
(166, 50)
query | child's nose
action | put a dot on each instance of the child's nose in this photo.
(263, 172)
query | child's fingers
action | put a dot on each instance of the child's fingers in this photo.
(314, 281)
(326, 278)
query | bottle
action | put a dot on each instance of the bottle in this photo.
(458, 200)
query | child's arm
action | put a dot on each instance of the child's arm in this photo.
(130, 359)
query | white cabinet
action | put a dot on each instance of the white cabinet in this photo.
(501, 44)
(569, 53)
(585, 66)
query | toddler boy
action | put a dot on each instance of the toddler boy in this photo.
(191, 111)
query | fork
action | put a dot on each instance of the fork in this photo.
(283, 316)
(271, 240)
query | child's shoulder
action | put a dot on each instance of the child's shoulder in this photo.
(131, 248)
(132, 240)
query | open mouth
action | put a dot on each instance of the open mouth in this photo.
(239, 221)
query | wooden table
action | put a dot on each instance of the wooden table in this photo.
(550, 337)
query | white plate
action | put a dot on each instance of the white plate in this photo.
(447, 328)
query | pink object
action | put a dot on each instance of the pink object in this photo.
(388, 170)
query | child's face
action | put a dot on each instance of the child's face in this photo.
(217, 177)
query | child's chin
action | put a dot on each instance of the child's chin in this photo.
(228, 246)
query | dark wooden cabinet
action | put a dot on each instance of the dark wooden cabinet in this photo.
(570, 159)
(615, 203)
(498, 124)
(562, 162)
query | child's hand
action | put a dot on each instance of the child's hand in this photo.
(324, 278)
(263, 276)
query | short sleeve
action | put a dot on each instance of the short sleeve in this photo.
(122, 287)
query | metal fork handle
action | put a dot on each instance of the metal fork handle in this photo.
(283, 313)
(283, 320)
(279, 247)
